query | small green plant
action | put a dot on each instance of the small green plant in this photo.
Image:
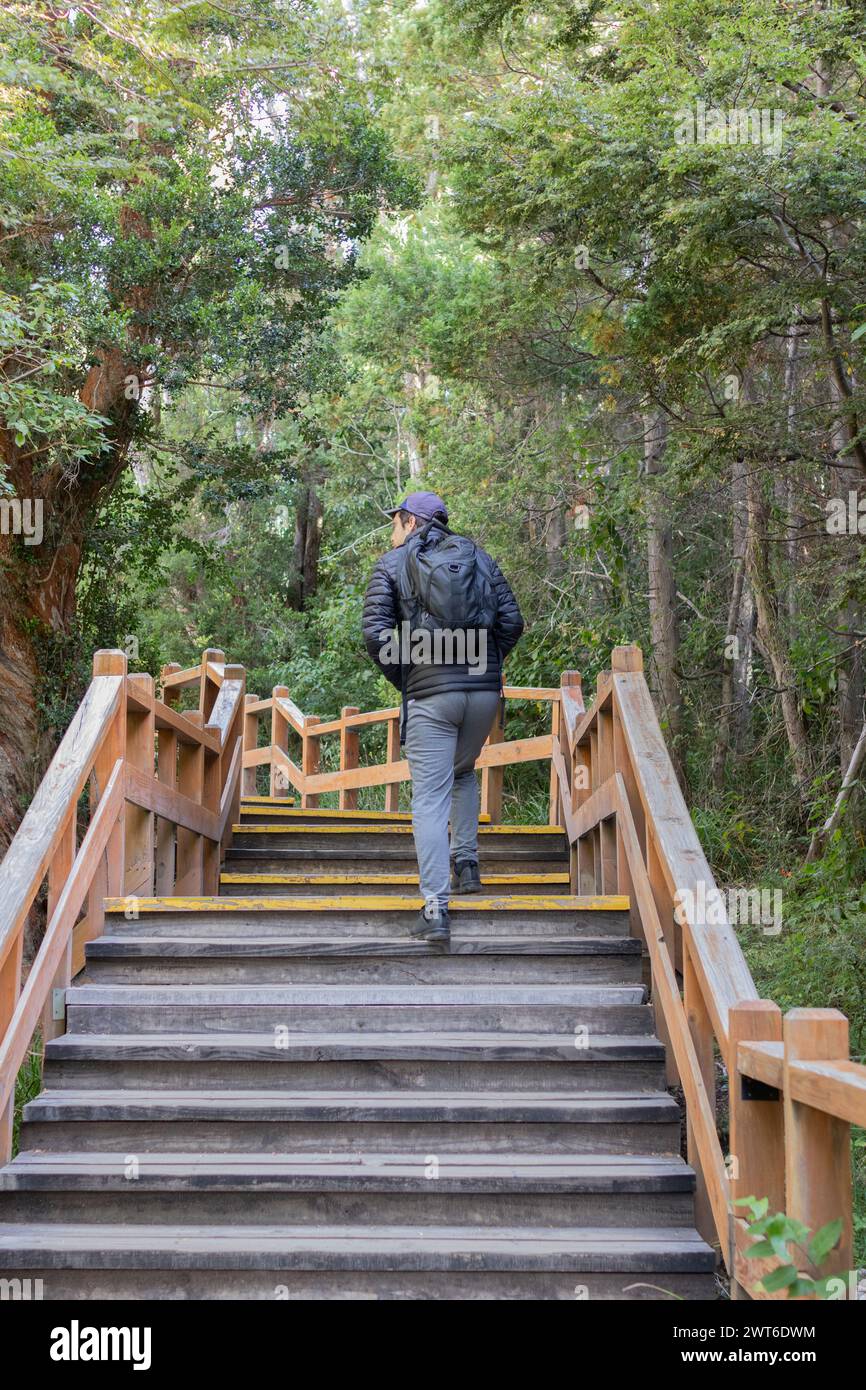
(28, 1084)
(777, 1233)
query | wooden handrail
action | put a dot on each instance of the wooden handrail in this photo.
(287, 775)
(28, 858)
(149, 830)
(56, 941)
(629, 829)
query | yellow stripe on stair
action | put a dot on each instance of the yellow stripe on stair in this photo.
(386, 829)
(300, 879)
(470, 903)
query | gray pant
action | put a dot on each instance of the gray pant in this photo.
(444, 735)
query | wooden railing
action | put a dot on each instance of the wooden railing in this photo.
(284, 722)
(793, 1091)
(165, 786)
(164, 790)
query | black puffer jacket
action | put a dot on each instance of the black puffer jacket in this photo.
(382, 613)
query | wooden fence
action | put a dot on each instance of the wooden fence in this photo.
(793, 1092)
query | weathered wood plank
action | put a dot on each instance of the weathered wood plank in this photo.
(170, 804)
(724, 976)
(702, 1118)
(26, 861)
(835, 1087)
(55, 943)
(817, 1145)
(349, 750)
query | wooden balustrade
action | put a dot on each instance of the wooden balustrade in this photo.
(288, 724)
(793, 1090)
(164, 792)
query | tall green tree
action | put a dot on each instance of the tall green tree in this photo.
(182, 193)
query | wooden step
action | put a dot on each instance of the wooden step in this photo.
(267, 810)
(150, 1285)
(249, 799)
(426, 1122)
(325, 1189)
(387, 840)
(521, 1261)
(346, 960)
(466, 1062)
(474, 914)
(245, 882)
(400, 859)
(376, 1008)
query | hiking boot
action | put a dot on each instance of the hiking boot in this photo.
(466, 876)
(434, 923)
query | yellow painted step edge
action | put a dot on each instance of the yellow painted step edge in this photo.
(387, 829)
(397, 817)
(300, 879)
(287, 801)
(611, 903)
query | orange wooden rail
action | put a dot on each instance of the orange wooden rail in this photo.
(164, 791)
(793, 1091)
(305, 777)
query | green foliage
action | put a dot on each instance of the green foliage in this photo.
(28, 1084)
(778, 1233)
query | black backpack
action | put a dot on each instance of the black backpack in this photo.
(447, 584)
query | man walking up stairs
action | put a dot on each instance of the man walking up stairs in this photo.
(433, 584)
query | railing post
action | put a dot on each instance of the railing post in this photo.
(627, 658)
(251, 743)
(61, 864)
(665, 907)
(209, 688)
(108, 882)
(492, 777)
(392, 789)
(572, 682)
(168, 694)
(140, 752)
(190, 782)
(235, 731)
(818, 1145)
(279, 739)
(166, 771)
(606, 861)
(210, 800)
(701, 1030)
(348, 757)
(310, 758)
(10, 988)
(626, 661)
(756, 1162)
(554, 815)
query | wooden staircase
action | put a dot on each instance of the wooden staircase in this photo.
(285, 1095)
(257, 1085)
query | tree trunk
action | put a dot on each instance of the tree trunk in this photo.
(847, 477)
(737, 653)
(308, 540)
(723, 736)
(38, 604)
(664, 628)
(414, 384)
(770, 637)
(849, 782)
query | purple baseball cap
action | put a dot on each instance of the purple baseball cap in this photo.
(424, 505)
